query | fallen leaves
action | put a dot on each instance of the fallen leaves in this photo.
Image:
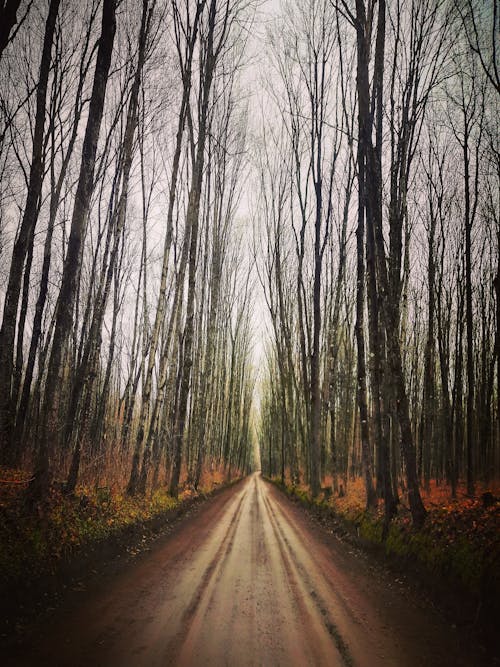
(33, 543)
(460, 540)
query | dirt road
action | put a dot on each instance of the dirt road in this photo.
(245, 581)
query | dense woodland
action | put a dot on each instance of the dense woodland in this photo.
(379, 197)
(125, 340)
(166, 167)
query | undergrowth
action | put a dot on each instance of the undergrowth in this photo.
(459, 542)
(35, 543)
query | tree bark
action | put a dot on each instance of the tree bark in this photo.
(8, 19)
(72, 263)
(24, 241)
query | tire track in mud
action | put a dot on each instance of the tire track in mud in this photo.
(208, 581)
(344, 613)
(299, 579)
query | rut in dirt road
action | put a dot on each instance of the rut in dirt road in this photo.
(246, 581)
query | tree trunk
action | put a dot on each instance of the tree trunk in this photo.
(24, 242)
(71, 270)
(192, 223)
(8, 19)
(374, 218)
(160, 309)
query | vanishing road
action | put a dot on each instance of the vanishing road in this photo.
(247, 579)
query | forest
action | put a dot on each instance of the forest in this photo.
(379, 209)
(125, 339)
(239, 235)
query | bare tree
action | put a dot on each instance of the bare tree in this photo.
(72, 262)
(8, 19)
(24, 242)
(482, 38)
(189, 27)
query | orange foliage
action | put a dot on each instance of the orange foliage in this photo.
(438, 495)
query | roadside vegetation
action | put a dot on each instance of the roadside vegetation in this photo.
(37, 544)
(454, 555)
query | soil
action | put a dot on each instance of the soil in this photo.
(247, 579)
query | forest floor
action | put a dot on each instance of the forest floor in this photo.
(248, 578)
(43, 553)
(454, 558)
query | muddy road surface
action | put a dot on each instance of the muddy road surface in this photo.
(246, 580)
